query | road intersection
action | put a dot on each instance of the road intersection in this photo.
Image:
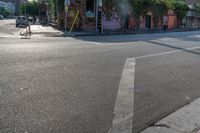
(72, 84)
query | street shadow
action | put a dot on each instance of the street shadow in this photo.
(174, 47)
(183, 36)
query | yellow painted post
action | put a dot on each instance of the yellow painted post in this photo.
(73, 22)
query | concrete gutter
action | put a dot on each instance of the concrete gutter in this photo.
(49, 31)
(74, 34)
(184, 120)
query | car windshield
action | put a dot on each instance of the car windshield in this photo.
(21, 18)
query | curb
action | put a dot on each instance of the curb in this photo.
(47, 34)
(184, 120)
(74, 34)
(129, 33)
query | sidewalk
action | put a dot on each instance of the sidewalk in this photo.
(184, 120)
(48, 31)
(39, 30)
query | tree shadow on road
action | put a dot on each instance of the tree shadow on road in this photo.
(183, 36)
(175, 47)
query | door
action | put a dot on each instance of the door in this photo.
(148, 21)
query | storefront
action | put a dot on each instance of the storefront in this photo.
(192, 19)
(86, 14)
(172, 19)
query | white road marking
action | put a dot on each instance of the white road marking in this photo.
(164, 53)
(94, 43)
(123, 112)
(184, 120)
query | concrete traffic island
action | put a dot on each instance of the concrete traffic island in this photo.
(44, 31)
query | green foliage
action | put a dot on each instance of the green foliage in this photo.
(117, 7)
(60, 13)
(169, 4)
(52, 8)
(141, 7)
(137, 7)
(181, 7)
(197, 8)
(31, 8)
(5, 12)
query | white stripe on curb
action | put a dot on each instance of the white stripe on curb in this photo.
(184, 120)
(123, 112)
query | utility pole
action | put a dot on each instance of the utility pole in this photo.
(47, 11)
(67, 4)
(99, 23)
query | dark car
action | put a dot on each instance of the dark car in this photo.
(21, 21)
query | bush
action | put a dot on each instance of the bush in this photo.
(5, 12)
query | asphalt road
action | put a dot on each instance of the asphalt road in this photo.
(69, 85)
(8, 28)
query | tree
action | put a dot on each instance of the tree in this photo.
(197, 8)
(52, 9)
(137, 11)
(60, 13)
(31, 8)
(159, 9)
(181, 8)
(5, 12)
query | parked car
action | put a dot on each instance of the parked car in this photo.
(21, 21)
(1, 17)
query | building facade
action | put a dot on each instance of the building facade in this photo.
(12, 5)
(89, 18)
(9, 6)
(86, 12)
(192, 18)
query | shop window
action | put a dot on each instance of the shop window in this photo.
(90, 8)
